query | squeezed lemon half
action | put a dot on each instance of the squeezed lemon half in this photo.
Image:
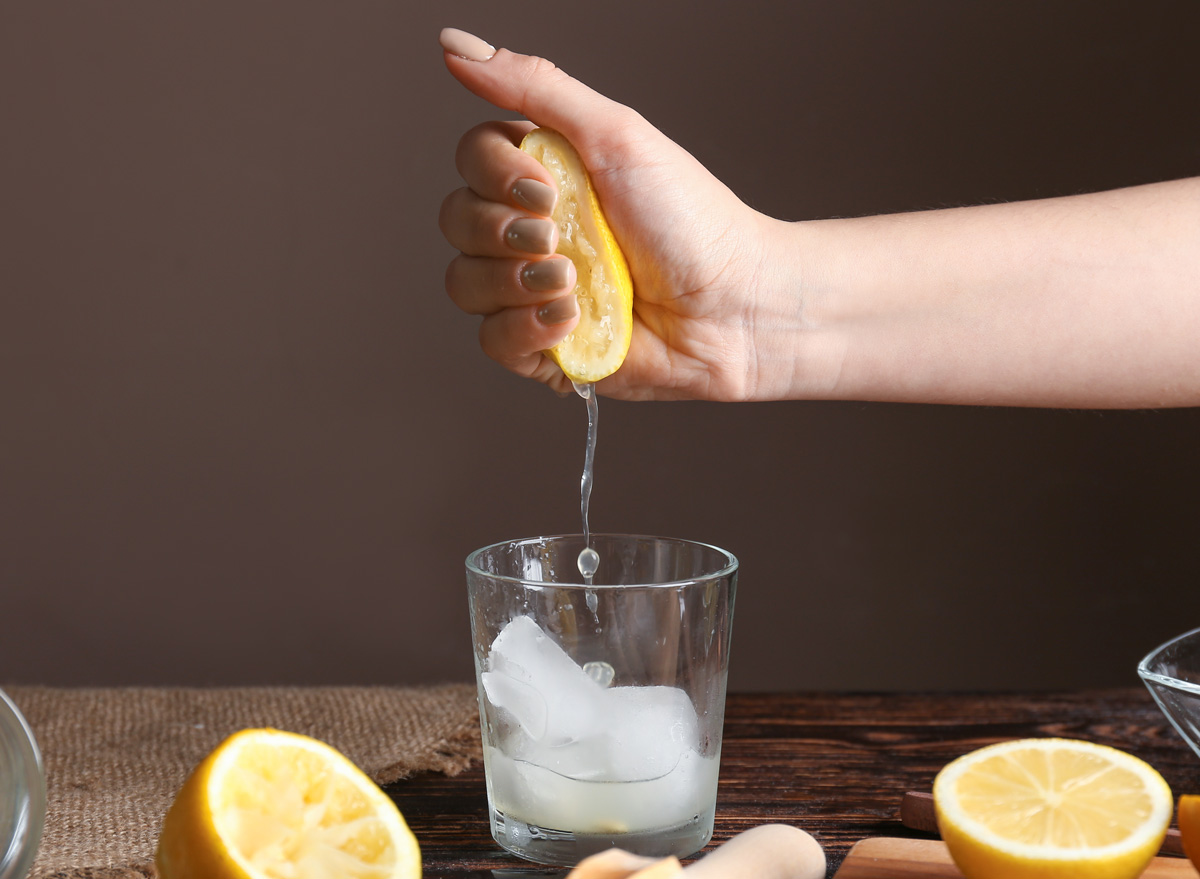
(267, 804)
(597, 346)
(1051, 808)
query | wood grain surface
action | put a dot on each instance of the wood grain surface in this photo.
(883, 858)
(836, 765)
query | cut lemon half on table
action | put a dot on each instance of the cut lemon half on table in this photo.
(275, 805)
(1051, 808)
(596, 348)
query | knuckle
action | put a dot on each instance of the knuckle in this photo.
(626, 129)
(446, 213)
(487, 340)
(475, 284)
(486, 232)
(632, 123)
(469, 144)
(539, 66)
(455, 279)
(537, 73)
(459, 218)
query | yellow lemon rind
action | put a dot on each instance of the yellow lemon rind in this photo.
(192, 845)
(618, 298)
(189, 846)
(980, 853)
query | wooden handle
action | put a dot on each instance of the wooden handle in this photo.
(882, 858)
(769, 851)
(917, 812)
(617, 863)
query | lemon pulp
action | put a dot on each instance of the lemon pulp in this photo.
(267, 804)
(597, 346)
(1051, 808)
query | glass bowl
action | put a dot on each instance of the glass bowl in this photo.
(22, 792)
(1172, 674)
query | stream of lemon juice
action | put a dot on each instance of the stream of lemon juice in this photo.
(656, 807)
(589, 560)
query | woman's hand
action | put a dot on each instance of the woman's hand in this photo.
(694, 249)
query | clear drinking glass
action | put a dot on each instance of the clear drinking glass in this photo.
(601, 704)
(1171, 672)
(22, 792)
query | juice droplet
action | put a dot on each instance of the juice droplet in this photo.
(588, 562)
(600, 672)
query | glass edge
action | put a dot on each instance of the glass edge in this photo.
(1144, 669)
(1149, 677)
(1169, 714)
(731, 562)
(36, 793)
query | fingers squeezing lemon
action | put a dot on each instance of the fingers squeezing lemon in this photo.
(274, 805)
(597, 346)
(1051, 809)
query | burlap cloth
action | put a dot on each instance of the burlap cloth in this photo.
(115, 758)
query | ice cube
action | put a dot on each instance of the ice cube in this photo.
(529, 676)
(522, 702)
(569, 723)
(635, 734)
(648, 730)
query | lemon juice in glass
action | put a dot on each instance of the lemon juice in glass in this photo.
(602, 703)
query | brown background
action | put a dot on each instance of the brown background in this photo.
(247, 439)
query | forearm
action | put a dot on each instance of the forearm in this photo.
(1088, 301)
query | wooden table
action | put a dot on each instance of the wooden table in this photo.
(835, 765)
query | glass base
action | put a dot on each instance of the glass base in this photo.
(565, 848)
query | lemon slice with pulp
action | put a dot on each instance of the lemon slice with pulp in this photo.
(597, 346)
(274, 805)
(1051, 808)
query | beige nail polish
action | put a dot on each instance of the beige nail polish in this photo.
(465, 45)
(534, 195)
(558, 311)
(546, 274)
(530, 236)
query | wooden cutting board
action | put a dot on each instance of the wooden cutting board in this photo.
(884, 858)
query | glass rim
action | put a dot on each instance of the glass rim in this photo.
(1145, 668)
(731, 562)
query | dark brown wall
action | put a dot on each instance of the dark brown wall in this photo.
(245, 437)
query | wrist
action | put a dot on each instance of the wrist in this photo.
(800, 348)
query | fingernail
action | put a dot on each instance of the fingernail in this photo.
(546, 274)
(558, 311)
(534, 195)
(530, 236)
(465, 45)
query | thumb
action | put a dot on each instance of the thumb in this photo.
(528, 85)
